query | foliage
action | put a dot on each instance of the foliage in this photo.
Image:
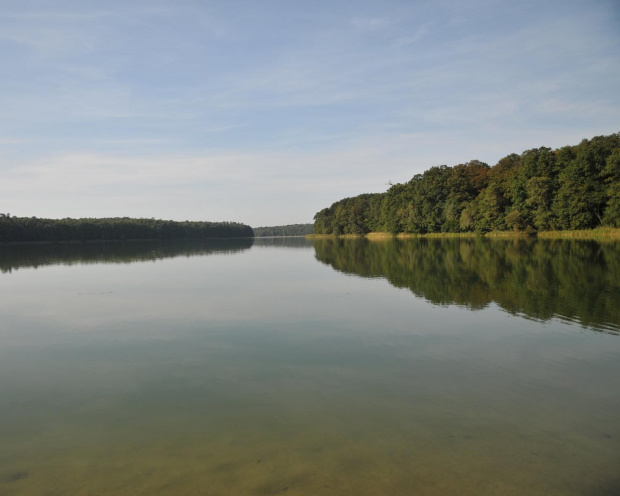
(288, 230)
(574, 187)
(32, 229)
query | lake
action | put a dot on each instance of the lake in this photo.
(314, 367)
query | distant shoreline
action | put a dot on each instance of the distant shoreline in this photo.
(36, 229)
(131, 240)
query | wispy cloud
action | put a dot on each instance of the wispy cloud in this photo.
(419, 34)
(53, 15)
(14, 141)
(370, 24)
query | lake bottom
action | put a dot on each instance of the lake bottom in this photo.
(299, 410)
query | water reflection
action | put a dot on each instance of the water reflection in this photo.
(285, 242)
(18, 256)
(540, 279)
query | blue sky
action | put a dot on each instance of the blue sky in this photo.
(264, 112)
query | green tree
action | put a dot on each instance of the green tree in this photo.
(612, 180)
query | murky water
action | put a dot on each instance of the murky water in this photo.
(416, 367)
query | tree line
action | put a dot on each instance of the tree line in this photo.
(574, 187)
(33, 229)
(288, 230)
(536, 278)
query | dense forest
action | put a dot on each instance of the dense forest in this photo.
(574, 187)
(31, 229)
(290, 230)
(537, 278)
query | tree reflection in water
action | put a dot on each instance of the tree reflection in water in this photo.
(541, 279)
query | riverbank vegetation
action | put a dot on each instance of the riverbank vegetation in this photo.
(567, 189)
(33, 229)
(599, 234)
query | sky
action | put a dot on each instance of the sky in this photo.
(265, 112)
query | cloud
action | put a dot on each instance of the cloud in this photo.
(595, 109)
(4, 142)
(370, 24)
(410, 40)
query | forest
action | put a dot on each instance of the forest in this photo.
(574, 187)
(33, 229)
(289, 230)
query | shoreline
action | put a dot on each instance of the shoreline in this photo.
(600, 233)
(129, 240)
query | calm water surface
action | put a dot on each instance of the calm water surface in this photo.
(413, 367)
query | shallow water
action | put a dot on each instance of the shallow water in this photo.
(415, 367)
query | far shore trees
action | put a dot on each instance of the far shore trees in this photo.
(34, 229)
